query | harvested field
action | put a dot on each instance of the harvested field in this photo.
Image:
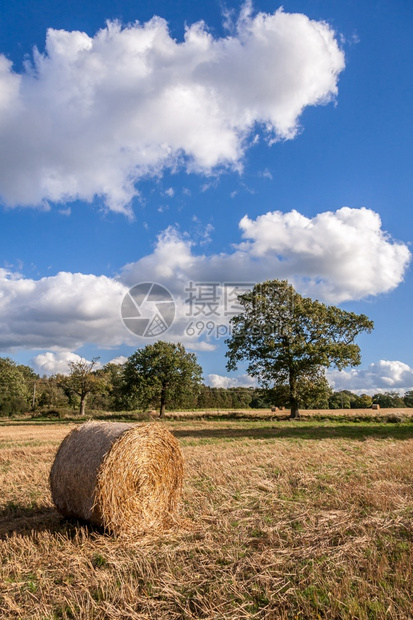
(305, 414)
(283, 519)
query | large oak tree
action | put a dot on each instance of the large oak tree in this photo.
(287, 338)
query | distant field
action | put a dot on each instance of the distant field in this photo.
(406, 412)
(68, 416)
(281, 519)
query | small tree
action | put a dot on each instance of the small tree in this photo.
(15, 387)
(160, 373)
(389, 400)
(50, 392)
(113, 375)
(408, 399)
(362, 402)
(287, 338)
(82, 381)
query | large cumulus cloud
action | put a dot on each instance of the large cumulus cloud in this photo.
(381, 376)
(92, 115)
(59, 312)
(337, 255)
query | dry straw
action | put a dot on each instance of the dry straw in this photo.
(126, 478)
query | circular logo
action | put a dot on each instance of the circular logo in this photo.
(148, 309)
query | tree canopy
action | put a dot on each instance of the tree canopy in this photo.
(82, 381)
(161, 372)
(16, 386)
(287, 338)
(390, 399)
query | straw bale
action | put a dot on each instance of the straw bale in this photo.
(124, 477)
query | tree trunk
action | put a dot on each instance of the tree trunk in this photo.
(82, 409)
(34, 396)
(293, 398)
(163, 403)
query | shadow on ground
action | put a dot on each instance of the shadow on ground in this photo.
(299, 430)
(25, 521)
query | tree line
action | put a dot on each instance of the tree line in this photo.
(109, 389)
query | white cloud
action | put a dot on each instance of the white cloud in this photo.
(50, 363)
(382, 376)
(221, 381)
(201, 346)
(119, 360)
(336, 256)
(9, 91)
(59, 312)
(93, 115)
(266, 174)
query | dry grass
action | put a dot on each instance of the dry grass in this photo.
(405, 413)
(289, 520)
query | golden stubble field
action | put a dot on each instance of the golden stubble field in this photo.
(279, 520)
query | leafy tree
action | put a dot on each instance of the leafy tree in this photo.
(50, 393)
(82, 381)
(362, 402)
(313, 392)
(161, 373)
(263, 399)
(112, 397)
(240, 397)
(348, 400)
(224, 398)
(287, 338)
(389, 400)
(339, 400)
(408, 398)
(205, 397)
(30, 381)
(15, 391)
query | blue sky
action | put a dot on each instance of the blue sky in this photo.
(259, 145)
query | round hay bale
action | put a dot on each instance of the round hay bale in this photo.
(126, 478)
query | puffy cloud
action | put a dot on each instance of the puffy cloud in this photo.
(221, 381)
(62, 311)
(93, 115)
(50, 363)
(380, 376)
(334, 256)
(119, 360)
(201, 346)
(9, 91)
(338, 255)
